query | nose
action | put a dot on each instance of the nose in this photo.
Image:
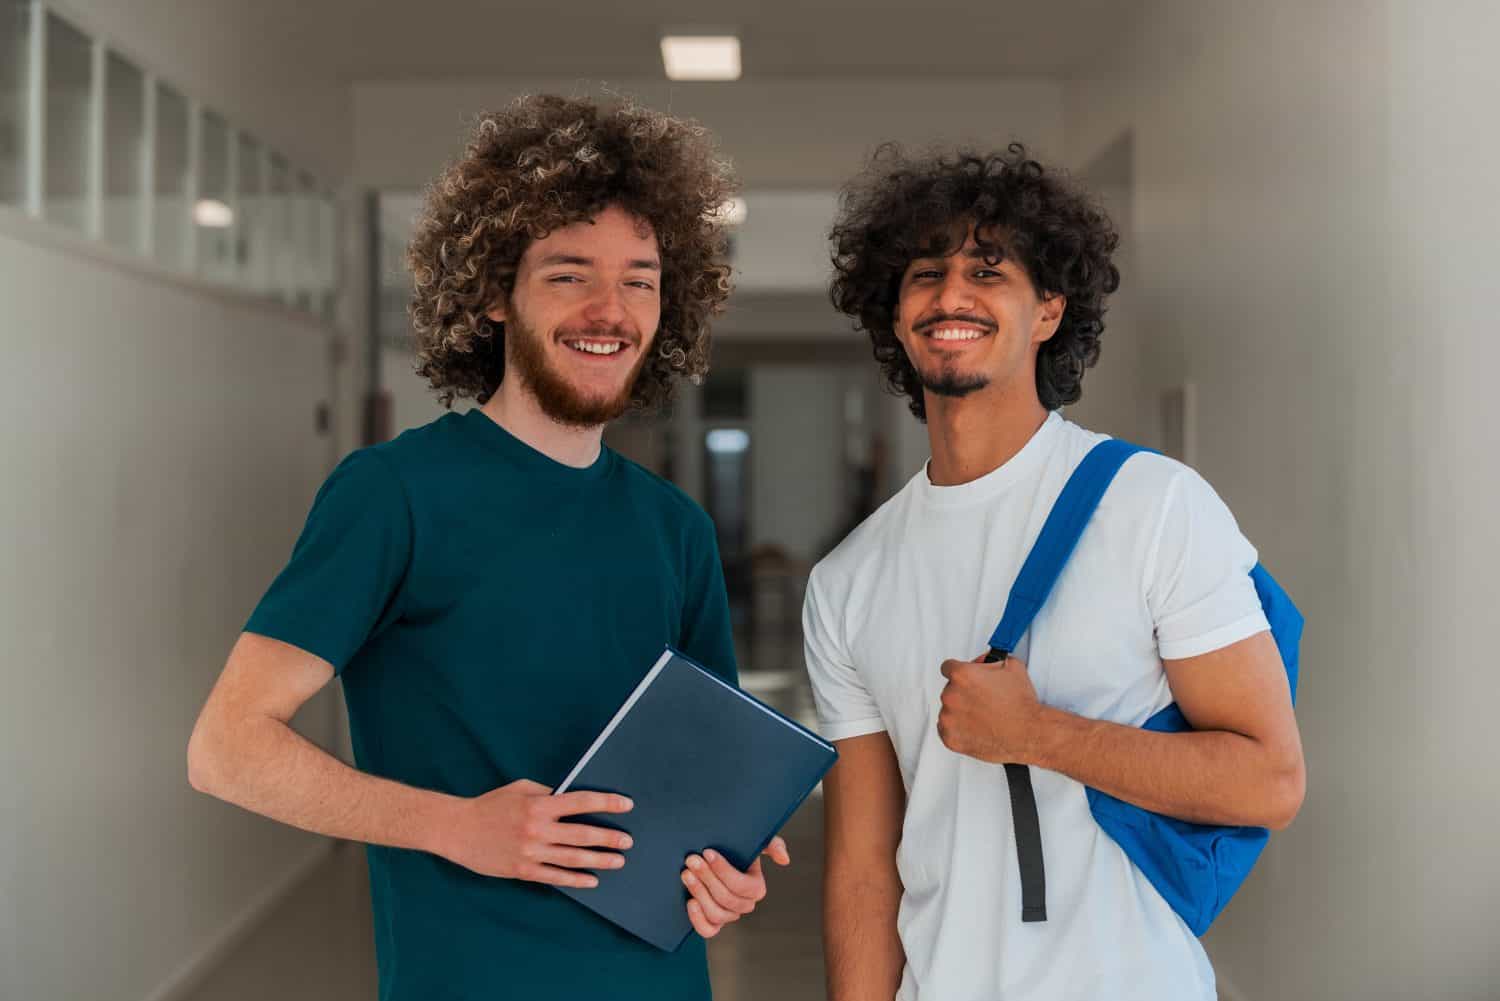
(607, 307)
(955, 296)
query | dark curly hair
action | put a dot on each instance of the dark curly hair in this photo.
(902, 209)
(543, 163)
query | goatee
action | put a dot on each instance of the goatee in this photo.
(954, 384)
(558, 399)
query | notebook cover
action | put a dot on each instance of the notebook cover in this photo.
(707, 766)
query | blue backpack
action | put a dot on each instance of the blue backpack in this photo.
(1195, 867)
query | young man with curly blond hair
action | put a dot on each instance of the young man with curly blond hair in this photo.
(981, 280)
(490, 587)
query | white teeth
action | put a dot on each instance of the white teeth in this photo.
(956, 334)
(596, 349)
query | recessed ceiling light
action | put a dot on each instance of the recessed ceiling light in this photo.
(701, 57)
(213, 214)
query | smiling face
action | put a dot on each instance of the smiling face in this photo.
(969, 322)
(582, 316)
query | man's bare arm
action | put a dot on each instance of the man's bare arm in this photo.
(865, 803)
(1242, 764)
(244, 751)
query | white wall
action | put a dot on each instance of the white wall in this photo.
(1113, 397)
(1313, 217)
(159, 456)
(780, 133)
(1435, 395)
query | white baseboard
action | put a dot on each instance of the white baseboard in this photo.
(192, 973)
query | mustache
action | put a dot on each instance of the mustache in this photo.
(618, 331)
(936, 321)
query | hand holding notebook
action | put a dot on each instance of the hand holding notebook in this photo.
(522, 831)
(722, 894)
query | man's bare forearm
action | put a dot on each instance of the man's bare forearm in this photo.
(861, 946)
(265, 766)
(1208, 776)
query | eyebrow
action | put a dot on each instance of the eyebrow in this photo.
(973, 254)
(638, 264)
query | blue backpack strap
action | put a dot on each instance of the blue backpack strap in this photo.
(1049, 554)
(1059, 537)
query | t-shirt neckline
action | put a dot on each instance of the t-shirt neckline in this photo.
(997, 480)
(497, 438)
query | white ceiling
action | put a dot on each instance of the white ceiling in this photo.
(288, 70)
(358, 40)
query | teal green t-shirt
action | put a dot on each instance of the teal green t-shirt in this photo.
(488, 610)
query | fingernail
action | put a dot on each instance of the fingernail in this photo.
(711, 855)
(617, 862)
(694, 861)
(626, 842)
(592, 882)
(690, 879)
(627, 803)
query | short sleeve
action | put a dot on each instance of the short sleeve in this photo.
(1198, 584)
(845, 706)
(707, 633)
(346, 571)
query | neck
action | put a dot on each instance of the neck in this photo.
(515, 409)
(977, 434)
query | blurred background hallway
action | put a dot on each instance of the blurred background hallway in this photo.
(202, 214)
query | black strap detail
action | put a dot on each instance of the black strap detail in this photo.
(1028, 828)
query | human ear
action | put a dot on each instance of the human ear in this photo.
(1050, 316)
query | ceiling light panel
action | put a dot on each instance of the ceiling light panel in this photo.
(701, 57)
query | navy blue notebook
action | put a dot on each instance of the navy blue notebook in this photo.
(707, 766)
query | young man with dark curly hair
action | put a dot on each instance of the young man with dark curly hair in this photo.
(490, 587)
(981, 280)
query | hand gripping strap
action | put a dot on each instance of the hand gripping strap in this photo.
(1059, 537)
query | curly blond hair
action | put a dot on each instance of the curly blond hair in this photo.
(543, 163)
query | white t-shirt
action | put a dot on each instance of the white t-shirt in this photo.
(1162, 571)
